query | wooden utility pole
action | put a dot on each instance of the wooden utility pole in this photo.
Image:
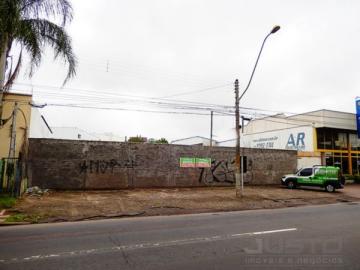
(238, 192)
(211, 128)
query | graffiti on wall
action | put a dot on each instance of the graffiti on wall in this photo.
(221, 171)
(105, 166)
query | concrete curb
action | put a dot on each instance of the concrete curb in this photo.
(3, 224)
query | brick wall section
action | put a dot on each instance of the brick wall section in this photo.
(66, 164)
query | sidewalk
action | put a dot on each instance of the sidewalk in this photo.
(74, 206)
(352, 190)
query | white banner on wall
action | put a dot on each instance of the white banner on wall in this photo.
(299, 138)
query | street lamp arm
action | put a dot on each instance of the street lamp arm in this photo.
(238, 158)
(257, 60)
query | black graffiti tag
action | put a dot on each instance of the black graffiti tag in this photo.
(105, 166)
(220, 171)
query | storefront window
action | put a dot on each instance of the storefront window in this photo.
(324, 138)
(331, 139)
(329, 159)
(340, 140)
(354, 142)
(344, 164)
(338, 160)
(355, 162)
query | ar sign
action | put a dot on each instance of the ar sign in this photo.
(296, 142)
(358, 116)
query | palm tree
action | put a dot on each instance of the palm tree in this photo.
(26, 23)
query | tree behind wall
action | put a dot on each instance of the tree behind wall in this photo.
(162, 141)
(137, 139)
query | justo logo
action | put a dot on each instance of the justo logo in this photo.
(296, 142)
(297, 246)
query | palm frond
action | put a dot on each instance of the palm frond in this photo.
(26, 22)
(48, 33)
(28, 35)
(37, 9)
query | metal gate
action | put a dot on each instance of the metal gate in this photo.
(11, 176)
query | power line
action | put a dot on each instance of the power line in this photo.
(97, 96)
(118, 95)
(138, 69)
(135, 110)
(197, 91)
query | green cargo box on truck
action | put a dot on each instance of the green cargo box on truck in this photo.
(327, 177)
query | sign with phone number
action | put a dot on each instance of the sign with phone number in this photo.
(187, 162)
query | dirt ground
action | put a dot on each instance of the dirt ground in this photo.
(80, 205)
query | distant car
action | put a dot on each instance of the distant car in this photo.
(327, 177)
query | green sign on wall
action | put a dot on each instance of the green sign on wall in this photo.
(203, 162)
(187, 162)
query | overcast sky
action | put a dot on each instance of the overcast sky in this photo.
(163, 48)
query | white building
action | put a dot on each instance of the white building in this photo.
(321, 137)
(39, 128)
(195, 140)
(75, 133)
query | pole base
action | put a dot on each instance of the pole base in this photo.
(239, 193)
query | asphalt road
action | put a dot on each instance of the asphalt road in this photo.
(316, 237)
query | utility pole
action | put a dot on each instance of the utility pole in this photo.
(242, 153)
(13, 133)
(11, 158)
(211, 128)
(237, 149)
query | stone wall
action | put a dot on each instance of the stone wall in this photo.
(66, 164)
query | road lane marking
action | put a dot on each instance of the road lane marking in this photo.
(276, 231)
(185, 241)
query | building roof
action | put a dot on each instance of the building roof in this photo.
(72, 133)
(317, 119)
(193, 137)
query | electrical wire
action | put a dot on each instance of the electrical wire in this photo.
(176, 102)
(108, 97)
(134, 110)
(114, 94)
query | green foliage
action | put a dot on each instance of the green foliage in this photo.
(137, 139)
(6, 201)
(356, 178)
(162, 141)
(23, 218)
(28, 23)
(16, 218)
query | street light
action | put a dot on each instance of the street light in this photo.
(239, 181)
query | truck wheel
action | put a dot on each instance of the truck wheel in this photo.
(329, 188)
(291, 184)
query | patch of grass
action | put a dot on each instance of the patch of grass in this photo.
(16, 218)
(23, 218)
(6, 201)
